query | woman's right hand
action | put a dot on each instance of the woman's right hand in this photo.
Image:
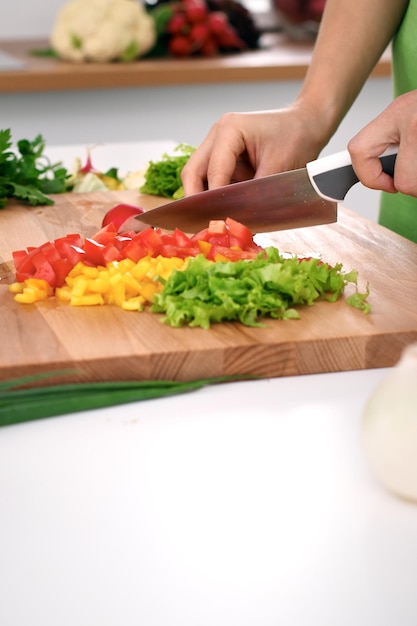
(396, 125)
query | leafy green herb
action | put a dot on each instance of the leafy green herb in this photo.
(163, 178)
(44, 52)
(131, 52)
(205, 293)
(113, 172)
(26, 173)
(76, 42)
(22, 404)
(161, 15)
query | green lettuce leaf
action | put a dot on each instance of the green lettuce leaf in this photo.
(205, 293)
(163, 177)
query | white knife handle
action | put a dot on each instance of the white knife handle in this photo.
(332, 176)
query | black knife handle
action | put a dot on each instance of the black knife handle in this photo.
(333, 176)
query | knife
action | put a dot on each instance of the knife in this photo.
(294, 199)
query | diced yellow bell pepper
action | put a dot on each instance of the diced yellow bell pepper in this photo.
(63, 293)
(148, 291)
(134, 304)
(99, 285)
(16, 287)
(220, 258)
(80, 285)
(205, 247)
(117, 294)
(31, 290)
(125, 283)
(87, 299)
(141, 268)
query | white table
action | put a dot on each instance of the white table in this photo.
(245, 504)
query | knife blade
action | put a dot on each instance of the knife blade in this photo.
(298, 198)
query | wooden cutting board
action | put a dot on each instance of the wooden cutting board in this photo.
(106, 343)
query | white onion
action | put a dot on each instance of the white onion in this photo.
(389, 428)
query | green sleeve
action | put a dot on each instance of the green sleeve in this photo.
(399, 212)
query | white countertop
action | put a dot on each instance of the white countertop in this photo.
(244, 504)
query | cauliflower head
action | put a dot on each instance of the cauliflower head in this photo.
(102, 31)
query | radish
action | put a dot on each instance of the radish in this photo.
(120, 213)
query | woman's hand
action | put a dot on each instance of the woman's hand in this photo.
(241, 146)
(396, 125)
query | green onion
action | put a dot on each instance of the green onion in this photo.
(19, 404)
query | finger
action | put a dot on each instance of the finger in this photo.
(214, 163)
(405, 174)
(370, 173)
(226, 163)
(194, 173)
(222, 157)
(243, 170)
(365, 150)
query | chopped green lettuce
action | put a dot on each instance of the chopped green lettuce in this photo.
(163, 177)
(205, 293)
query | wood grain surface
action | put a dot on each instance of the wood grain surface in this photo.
(105, 343)
(278, 59)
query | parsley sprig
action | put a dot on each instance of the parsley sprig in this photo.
(26, 173)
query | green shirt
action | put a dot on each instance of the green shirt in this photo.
(399, 212)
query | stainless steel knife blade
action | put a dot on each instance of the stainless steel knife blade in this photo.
(294, 199)
(265, 204)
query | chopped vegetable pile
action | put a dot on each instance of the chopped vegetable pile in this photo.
(158, 178)
(204, 293)
(86, 178)
(219, 274)
(126, 284)
(27, 174)
(53, 260)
